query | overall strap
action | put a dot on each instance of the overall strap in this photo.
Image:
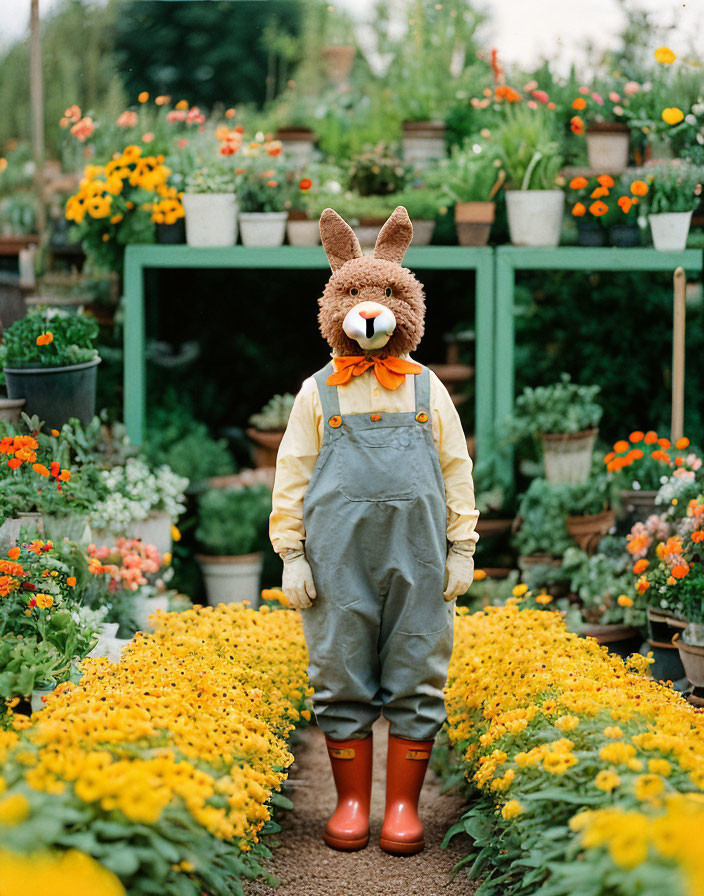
(328, 395)
(422, 381)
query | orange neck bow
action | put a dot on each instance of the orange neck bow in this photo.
(390, 372)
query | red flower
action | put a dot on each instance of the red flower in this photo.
(305, 184)
(14, 462)
(577, 125)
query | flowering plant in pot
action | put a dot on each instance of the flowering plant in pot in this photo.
(471, 178)
(377, 172)
(169, 215)
(673, 191)
(262, 195)
(231, 533)
(565, 418)
(210, 205)
(49, 359)
(267, 428)
(302, 229)
(589, 516)
(601, 113)
(530, 155)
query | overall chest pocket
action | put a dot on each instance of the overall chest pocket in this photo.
(381, 464)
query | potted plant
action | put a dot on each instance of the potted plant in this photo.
(49, 359)
(604, 585)
(621, 220)
(565, 417)
(423, 205)
(470, 178)
(262, 196)
(294, 116)
(531, 158)
(541, 535)
(674, 188)
(602, 113)
(639, 465)
(267, 429)
(365, 214)
(589, 516)
(302, 229)
(210, 206)
(169, 216)
(231, 533)
(587, 196)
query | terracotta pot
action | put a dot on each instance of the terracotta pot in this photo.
(423, 141)
(473, 222)
(487, 528)
(231, 579)
(588, 530)
(607, 146)
(568, 456)
(297, 143)
(692, 656)
(532, 560)
(368, 230)
(266, 446)
(621, 639)
(11, 409)
(338, 62)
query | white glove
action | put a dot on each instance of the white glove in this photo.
(459, 571)
(297, 581)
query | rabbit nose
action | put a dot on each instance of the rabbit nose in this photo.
(368, 315)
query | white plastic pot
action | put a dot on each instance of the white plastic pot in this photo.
(303, 233)
(422, 231)
(156, 530)
(607, 148)
(145, 606)
(232, 579)
(264, 230)
(670, 230)
(37, 698)
(535, 216)
(211, 219)
(568, 456)
(423, 141)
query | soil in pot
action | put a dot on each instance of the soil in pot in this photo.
(588, 530)
(473, 222)
(55, 394)
(266, 446)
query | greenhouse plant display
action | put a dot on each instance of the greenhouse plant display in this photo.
(267, 428)
(210, 206)
(378, 488)
(606, 209)
(565, 418)
(530, 156)
(470, 178)
(674, 191)
(231, 534)
(50, 360)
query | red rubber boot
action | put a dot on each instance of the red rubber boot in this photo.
(402, 831)
(351, 761)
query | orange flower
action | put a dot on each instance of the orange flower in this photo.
(579, 210)
(182, 104)
(65, 475)
(45, 338)
(579, 103)
(577, 125)
(623, 600)
(71, 581)
(55, 433)
(41, 469)
(650, 437)
(625, 203)
(640, 566)
(661, 456)
(14, 462)
(635, 454)
(636, 436)
(642, 585)
(639, 188)
(13, 553)
(621, 445)
(599, 192)
(609, 457)
(55, 468)
(664, 443)
(606, 181)
(479, 575)
(680, 570)
(598, 208)
(272, 183)
(143, 96)
(698, 536)
(682, 443)
(162, 100)
(230, 113)
(578, 183)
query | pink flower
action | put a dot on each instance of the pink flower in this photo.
(183, 142)
(541, 96)
(148, 137)
(552, 106)
(597, 99)
(615, 97)
(530, 86)
(195, 116)
(532, 104)
(128, 119)
(631, 88)
(176, 115)
(584, 90)
(83, 129)
(618, 110)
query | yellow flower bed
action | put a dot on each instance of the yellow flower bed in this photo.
(188, 733)
(568, 746)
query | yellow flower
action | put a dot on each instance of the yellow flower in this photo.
(607, 780)
(648, 787)
(567, 723)
(613, 731)
(61, 874)
(624, 600)
(175, 533)
(511, 809)
(664, 55)
(520, 590)
(14, 809)
(672, 115)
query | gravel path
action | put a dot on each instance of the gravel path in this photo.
(305, 866)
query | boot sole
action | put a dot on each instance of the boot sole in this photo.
(345, 845)
(399, 848)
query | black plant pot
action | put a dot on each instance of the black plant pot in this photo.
(625, 236)
(171, 234)
(55, 394)
(590, 233)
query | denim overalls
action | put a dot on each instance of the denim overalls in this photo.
(379, 634)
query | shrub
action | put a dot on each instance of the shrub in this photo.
(233, 522)
(49, 337)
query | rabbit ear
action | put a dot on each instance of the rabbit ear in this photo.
(394, 237)
(339, 240)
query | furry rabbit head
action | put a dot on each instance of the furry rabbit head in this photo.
(373, 304)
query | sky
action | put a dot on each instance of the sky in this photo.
(522, 30)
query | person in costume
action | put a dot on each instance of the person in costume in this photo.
(374, 518)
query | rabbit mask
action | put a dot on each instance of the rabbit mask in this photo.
(372, 304)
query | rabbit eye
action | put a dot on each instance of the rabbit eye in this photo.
(387, 291)
(354, 291)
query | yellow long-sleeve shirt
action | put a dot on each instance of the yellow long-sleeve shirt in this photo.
(303, 438)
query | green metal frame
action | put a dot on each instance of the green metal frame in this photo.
(140, 257)
(509, 259)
